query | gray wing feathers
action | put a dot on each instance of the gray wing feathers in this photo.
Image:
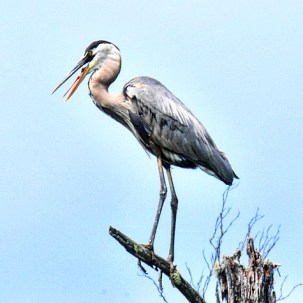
(162, 118)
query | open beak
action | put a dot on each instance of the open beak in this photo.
(84, 71)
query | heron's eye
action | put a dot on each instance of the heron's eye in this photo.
(90, 53)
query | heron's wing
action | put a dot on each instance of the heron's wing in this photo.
(160, 117)
(151, 94)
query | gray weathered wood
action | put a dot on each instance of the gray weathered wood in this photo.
(253, 284)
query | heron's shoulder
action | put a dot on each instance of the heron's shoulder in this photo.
(142, 85)
(143, 81)
(153, 93)
(146, 92)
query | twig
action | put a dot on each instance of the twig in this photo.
(217, 238)
(269, 242)
(156, 262)
(159, 289)
(250, 226)
(190, 276)
(266, 242)
(281, 297)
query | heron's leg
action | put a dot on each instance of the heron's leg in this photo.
(163, 192)
(174, 208)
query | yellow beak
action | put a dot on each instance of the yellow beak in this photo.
(84, 71)
(79, 79)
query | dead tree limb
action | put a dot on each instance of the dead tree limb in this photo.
(156, 262)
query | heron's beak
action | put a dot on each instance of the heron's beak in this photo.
(84, 71)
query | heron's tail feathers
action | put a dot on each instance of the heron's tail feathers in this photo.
(219, 167)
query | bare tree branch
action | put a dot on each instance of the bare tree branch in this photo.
(156, 262)
(235, 282)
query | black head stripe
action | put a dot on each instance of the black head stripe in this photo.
(95, 44)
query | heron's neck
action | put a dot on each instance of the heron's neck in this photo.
(102, 78)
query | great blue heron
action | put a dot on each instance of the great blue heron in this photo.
(161, 123)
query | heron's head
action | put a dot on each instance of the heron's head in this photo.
(93, 58)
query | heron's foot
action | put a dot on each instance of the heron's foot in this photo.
(170, 261)
(150, 247)
(174, 274)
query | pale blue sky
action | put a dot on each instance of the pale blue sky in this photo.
(68, 171)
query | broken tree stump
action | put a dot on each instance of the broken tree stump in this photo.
(253, 284)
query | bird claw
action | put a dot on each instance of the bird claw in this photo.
(150, 247)
(171, 263)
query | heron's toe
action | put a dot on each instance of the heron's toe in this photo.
(150, 247)
(170, 261)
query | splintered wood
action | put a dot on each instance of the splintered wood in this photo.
(253, 284)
